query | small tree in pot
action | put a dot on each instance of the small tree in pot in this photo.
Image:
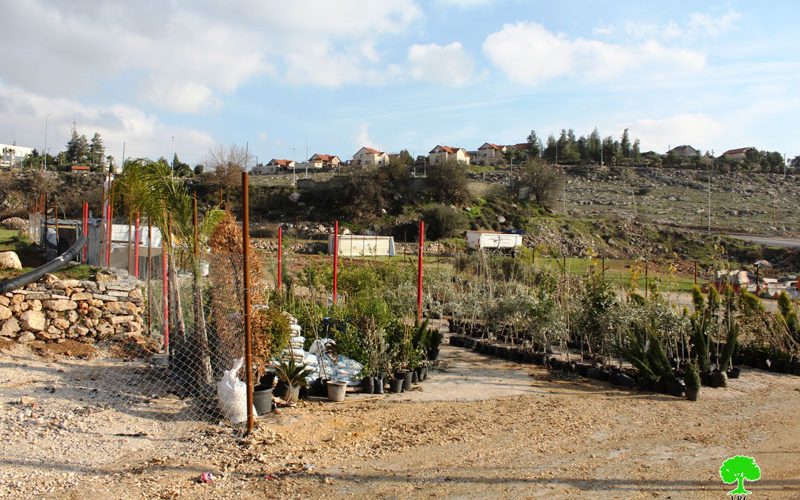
(293, 375)
(691, 378)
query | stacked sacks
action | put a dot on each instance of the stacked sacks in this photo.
(333, 366)
(295, 348)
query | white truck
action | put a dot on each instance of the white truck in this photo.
(490, 240)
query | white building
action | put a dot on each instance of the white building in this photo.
(441, 154)
(12, 155)
(369, 157)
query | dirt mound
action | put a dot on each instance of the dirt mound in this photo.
(67, 348)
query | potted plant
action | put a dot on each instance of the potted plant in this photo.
(433, 341)
(692, 379)
(293, 375)
(271, 334)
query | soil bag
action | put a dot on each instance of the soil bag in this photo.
(232, 394)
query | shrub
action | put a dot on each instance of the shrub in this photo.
(442, 221)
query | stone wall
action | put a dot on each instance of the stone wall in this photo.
(88, 311)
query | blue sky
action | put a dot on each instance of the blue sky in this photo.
(397, 74)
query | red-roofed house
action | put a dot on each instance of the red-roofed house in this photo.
(736, 154)
(490, 154)
(80, 168)
(441, 154)
(274, 165)
(324, 161)
(370, 157)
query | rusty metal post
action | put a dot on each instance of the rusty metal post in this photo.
(136, 248)
(420, 252)
(196, 248)
(85, 228)
(335, 259)
(165, 288)
(55, 215)
(695, 273)
(110, 221)
(280, 257)
(646, 268)
(248, 354)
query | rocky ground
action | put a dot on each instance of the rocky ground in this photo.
(479, 427)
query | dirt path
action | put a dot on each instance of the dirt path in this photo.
(479, 428)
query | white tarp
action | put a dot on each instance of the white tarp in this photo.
(357, 245)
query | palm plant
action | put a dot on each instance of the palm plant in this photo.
(292, 374)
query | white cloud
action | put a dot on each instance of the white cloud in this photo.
(709, 24)
(183, 56)
(362, 137)
(441, 64)
(528, 53)
(697, 24)
(466, 4)
(22, 117)
(698, 130)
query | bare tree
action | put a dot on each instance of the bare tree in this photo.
(227, 164)
(540, 182)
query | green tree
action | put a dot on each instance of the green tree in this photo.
(180, 168)
(593, 145)
(199, 169)
(97, 153)
(739, 469)
(625, 144)
(551, 150)
(636, 152)
(448, 182)
(541, 181)
(534, 145)
(404, 158)
(77, 149)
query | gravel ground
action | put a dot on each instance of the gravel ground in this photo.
(479, 427)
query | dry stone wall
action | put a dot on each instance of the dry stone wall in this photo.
(88, 311)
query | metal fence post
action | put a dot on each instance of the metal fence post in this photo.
(248, 354)
(335, 259)
(280, 258)
(419, 269)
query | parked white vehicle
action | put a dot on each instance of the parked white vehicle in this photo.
(490, 240)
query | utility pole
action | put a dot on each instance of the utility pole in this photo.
(709, 198)
(294, 168)
(44, 167)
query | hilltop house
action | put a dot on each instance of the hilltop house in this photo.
(368, 157)
(736, 154)
(490, 154)
(320, 161)
(684, 151)
(441, 154)
(274, 165)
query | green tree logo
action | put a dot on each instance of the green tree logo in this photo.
(737, 470)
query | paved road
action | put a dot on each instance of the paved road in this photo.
(768, 240)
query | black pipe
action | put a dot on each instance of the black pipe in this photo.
(54, 265)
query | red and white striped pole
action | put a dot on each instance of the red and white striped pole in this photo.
(335, 259)
(419, 269)
(280, 257)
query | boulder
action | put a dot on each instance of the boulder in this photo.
(60, 323)
(60, 305)
(10, 260)
(10, 328)
(32, 320)
(5, 313)
(26, 337)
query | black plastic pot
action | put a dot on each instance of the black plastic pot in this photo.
(368, 385)
(408, 380)
(692, 394)
(377, 385)
(414, 376)
(423, 373)
(396, 385)
(733, 372)
(262, 401)
(719, 379)
(318, 388)
(433, 353)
